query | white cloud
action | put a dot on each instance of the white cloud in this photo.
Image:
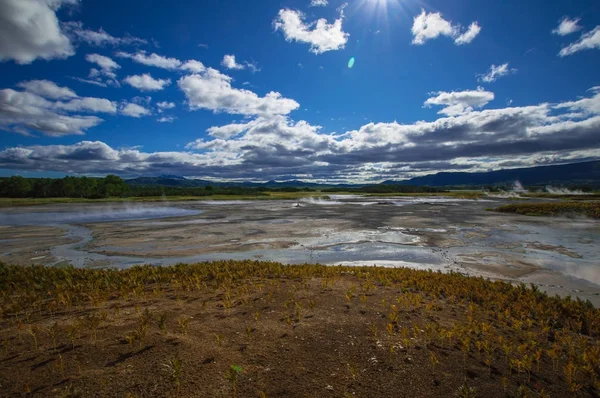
(146, 82)
(193, 66)
(318, 3)
(47, 89)
(29, 29)
(165, 105)
(106, 75)
(460, 102)
(583, 107)
(469, 35)
(166, 119)
(160, 61)
(107, 65)
(321, 35)
(496, 72)
(212, 90)
(87, 104)
(100, 37)
(89, 81)
(134, 110)
(153, 59)
(587, 41)
(275, 147)
(23, 112)
(428, 26)
(567, 26)
(229, 62)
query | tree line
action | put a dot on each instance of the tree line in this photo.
(114, 186)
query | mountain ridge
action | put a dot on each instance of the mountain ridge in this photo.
(580, 173)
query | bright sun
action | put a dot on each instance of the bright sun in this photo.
(384, 10)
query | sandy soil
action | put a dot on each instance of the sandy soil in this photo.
(324, 345)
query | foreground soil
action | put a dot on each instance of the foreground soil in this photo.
(257, 329)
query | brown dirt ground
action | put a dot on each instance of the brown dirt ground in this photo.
(328, 347)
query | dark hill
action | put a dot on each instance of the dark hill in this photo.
(565, 174)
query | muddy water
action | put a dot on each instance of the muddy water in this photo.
(560, 255)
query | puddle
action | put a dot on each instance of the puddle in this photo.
(94, 215)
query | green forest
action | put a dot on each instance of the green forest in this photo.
(98, 188)
(114, 186)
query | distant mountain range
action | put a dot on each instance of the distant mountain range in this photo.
(566, 174)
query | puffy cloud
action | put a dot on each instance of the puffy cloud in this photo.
(583, 107)
(165, 119)
(160, 61)
(35, 110)
(153, 59)
(229, 62)
(276, 147)
(134, 110)
(165, 105)
(212, 90)
(318, 3)
(567, 26)
(193, 66)
(587, 41)
(496, 72)
(469, 35)
(107, 65)
(146, 82)
(106, 75)
(428, 26)
(321, 35)
(47, 89)
(460, 102)
(23, 112)
(29, 29)
(87, 104)
(98, 38)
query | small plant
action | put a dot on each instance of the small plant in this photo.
(374, 330)
(505, 384)
(464, 391)
(390, 329)
(130, 338)
(184, 324)
(353, 369)
(60, 365)
(33, 332)
(175, 369)
(232, 375)
(219, 338)
(433, 360)
(53, 333)
(162, 323)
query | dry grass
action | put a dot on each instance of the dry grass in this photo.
(259, 329)
(572, 209)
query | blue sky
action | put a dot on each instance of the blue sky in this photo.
(263, 90)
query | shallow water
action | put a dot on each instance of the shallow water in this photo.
(423, 232)
(108, 214)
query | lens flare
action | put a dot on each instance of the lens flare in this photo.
(351, 63)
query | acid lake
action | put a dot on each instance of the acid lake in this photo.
(446, 234)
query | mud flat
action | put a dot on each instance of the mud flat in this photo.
(447, 234)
